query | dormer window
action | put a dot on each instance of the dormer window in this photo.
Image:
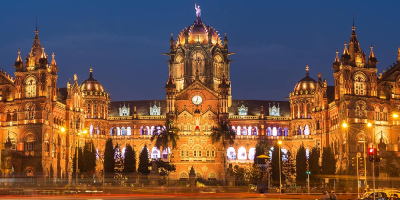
(124, 111)
(274, 111)
(155, 110)
(243, 110)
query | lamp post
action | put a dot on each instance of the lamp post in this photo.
(77, 156)
(280, 172)
(308, 174)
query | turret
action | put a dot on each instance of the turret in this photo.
(170, 89)
(223, 95)
(225, 42)
(346, 56)
(372, 61)
(19, 65)
(336, 63)
(171, 42)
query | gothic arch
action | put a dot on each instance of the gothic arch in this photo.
(360, 76)
(183, 174)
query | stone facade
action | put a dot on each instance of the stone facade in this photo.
(45, 123)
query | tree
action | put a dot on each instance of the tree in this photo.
(275, 165)
(262, 148)
(301, 165)
(88, 158)
(165, 168)
(144, 163)
(313, 163)
(130, 160)
(225, 134)
(289, 167)
(328, 162)
(109, 162)
(165, 136)
(80, 160)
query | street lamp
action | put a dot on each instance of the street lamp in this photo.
(280, 170)
(308, 174)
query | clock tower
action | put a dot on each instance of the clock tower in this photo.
(198, 93)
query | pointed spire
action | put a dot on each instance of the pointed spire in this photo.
(43, 55)
(171, 42)
(225, 42)
(19, 59)
(345, 51)
(307, 69)
(170, 81)
(53, 60)
(337, 56)
(371, 55)
(91, 72)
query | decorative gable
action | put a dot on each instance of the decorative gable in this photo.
(155, 110)
(274, 111)
(242, 110)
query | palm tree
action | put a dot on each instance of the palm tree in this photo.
(225, 134)
(165, 136)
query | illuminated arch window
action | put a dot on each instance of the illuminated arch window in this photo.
(249, 130)
(252, 153)
(306, 130)
(360, 84)
(274, 131)
(269, 131)
(123, 131)
(91, 129)
(238, 130)
(129, 131)
(29, 142)
(118, 131)
(244, 130)
(231, 153)
(30, 87)
(155, 153)
(242, 155)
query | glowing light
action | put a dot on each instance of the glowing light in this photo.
(62, 129)
(395, 115)
(369, 124)
(279, 142)
(85, 131)
(344, 125)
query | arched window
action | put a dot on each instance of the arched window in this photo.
(30, 87)
(98, 130)
(141, 130)
(255, 131)
(123, 131)
(231, 153)
(274, 131)
(306, 130)
(238, 130)
(128, 131)
(165, 153)
(91, 129)
(146, 131)
(249, 130)
(269, 131)
(242, 155)
(244, 130)
(252, 153)
(29, 142)
(118, 131)
(155, 153)
(286, 132)
(359, 84)
(233, 128)
(112, 131)
(280, 131)
(360, 109)
(300, 131)
(152, 130)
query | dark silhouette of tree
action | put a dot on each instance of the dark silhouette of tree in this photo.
(130, 160)
(165, 168)
(144, 163)
(275, 165)
(313, 163)
(109, 162)
(80, 160)
(301, 165)
(262, 148)
(165, 136)
(328, 162)
(88, 158)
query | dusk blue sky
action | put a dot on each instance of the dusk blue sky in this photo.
(123, 40)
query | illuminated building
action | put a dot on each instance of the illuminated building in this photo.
(198, 94)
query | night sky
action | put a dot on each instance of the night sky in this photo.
(123, 40)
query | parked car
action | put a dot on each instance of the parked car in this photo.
(379, 195)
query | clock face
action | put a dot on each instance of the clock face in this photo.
(197, 100)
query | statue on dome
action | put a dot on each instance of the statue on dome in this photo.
(198, 10)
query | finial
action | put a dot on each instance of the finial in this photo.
(371, 55)
(345, 51)
(353, 27)
(53, 61)
(198, 10)
(19, 59)
(337, 56)
(36, 26)
(307, 69)
(75, 77)
(319, 75)
(91, 72)
(43, 53)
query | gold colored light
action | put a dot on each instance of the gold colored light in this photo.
(62, 129)
(344, 125)
(85, 131)
(369, 124)
(279, 142)
(395, 115)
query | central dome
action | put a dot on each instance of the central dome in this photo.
(306, 85)
(91, 85)
(199, 32)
